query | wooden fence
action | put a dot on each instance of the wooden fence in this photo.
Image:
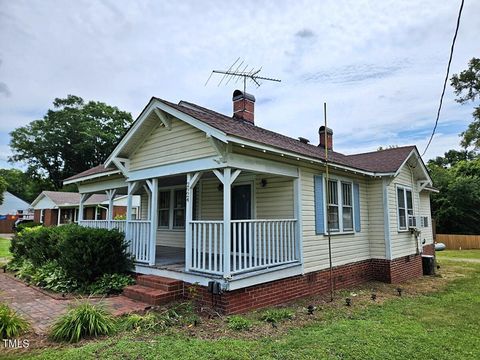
(455, 242)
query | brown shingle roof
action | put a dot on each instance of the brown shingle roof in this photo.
(99, 169)
(385, 161)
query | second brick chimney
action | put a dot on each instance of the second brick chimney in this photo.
(329, 140)
(243, 106)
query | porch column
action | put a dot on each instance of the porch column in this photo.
(153, 210)
(297, 201)
(130, 190)
(59, 216)
(110, 197)
(83, 198)
(227, 179)
(191, 183)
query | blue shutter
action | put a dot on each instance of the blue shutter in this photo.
(319, 205)
(356, 206)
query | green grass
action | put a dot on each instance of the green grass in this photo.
(459, 254)
(4, 246)
(440, 325)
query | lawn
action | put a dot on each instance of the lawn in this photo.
(434, 324)
(459, 254)
(4, 246)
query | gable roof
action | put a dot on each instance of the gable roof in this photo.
(382, 162)
(11, 204)
(60, 198)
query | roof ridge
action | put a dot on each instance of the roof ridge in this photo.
(384, 150)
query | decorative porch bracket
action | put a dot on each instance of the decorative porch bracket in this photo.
(192, 181)
(152, 185)
(83, 197)
(227, 179)
(110, 197)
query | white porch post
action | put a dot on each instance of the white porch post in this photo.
(227, 180)
(191, 182)
(297, 201)
(110, 197)
(59, 216)
(130, 190)
(96, 213)
(153, 210)
(83, 198)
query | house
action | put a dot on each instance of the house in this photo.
(245, 212)
(57, 207)
(11, 209)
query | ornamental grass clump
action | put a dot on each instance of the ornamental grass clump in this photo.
(84, 320)
(11, 324)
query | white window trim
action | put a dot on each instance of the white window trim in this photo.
(171, 189)
(409, 188)
(339, 181)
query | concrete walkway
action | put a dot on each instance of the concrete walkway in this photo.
(41, 310)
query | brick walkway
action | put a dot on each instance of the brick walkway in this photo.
(41, 310)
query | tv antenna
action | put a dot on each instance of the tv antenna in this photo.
(239, 71)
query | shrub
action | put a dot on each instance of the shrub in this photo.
(38, 244)
(25, 269)
(52, 277)
(277, 315)
(87, 254)
(27, 225)
(138, 322)
(84, 320)
(110, 284)
(239, 323)
(11, 324)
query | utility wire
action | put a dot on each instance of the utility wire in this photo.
(446, 77)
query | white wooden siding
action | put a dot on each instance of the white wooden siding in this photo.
(144, 206)
(162, 146)
(345, 248)
(175, 238)
(403, 243)
(376, 222)
(425, 210)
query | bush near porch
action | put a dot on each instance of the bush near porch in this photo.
(72, 258)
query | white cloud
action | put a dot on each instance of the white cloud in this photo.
(379, 65)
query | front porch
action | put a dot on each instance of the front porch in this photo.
(224, 225)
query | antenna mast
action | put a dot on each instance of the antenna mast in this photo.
(239, 71)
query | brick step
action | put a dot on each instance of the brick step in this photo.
(149, 295)
(159, 282)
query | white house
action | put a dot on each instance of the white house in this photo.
(246, 212)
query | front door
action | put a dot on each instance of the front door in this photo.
(241, 210)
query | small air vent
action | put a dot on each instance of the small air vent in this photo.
(303, 140)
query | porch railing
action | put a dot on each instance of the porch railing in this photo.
(138, 235)
(255, 244)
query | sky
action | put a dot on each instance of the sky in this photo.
(379, 65)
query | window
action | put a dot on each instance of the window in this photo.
(340, 206)
(405, 206)
(171, 209)
(42, 216)
(347, 207)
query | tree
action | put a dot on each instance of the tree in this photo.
(71, 138)
(3, 188)
(452, 157)
(467, 88)
(24, 186)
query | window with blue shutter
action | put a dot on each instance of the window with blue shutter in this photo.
(319, 205)
(356, 206)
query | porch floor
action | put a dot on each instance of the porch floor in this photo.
(170, 258)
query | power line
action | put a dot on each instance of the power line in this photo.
(446, 77)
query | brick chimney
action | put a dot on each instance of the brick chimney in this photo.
(321, 133)
(243, 106)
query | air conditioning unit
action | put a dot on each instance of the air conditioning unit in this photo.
(413, 221)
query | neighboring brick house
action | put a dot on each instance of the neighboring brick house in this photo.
(245, 211)
(57, 207)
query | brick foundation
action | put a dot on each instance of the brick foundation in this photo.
(284, 290)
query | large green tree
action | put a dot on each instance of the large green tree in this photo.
(467, 88)
(23, 185)
(72, 137)
(3, 188)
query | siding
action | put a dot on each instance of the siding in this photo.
(162, 146)
(345, 248)
(403, 242)
(175, 238)
(376, 218)
(427, 233)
